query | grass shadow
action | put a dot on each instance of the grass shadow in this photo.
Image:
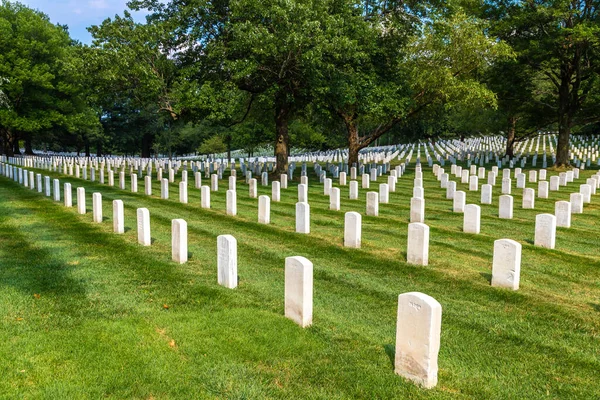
(390, 350)
(487, 276)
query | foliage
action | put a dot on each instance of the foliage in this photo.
(42, 76)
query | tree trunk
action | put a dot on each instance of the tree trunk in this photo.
(510, 137)
(15, 141)
(562, 147)
(87, 147)
(353, 141)
(7, 145)
(282, 138)
(146, 145)
(228, 140)
(28, 147)
(99, 148)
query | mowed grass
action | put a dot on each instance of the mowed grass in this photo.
(86, 313)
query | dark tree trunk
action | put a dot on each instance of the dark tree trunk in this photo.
(7, 145)
(562, 147)
(510, 137)
(353, 140)
(15, 142)
(228, 140)
(87, 147)
(282, 137)
(564, 118)
(28, 147)
(146, 145)
(99, 148)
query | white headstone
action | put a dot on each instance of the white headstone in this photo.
(179, 241)
(302, 217)
(506, 207)
(528, 198)
(81, 200)
(417, 209)
(231, 202)
(562, 212)
(545, 230)
(458, 203)
(143, 226)
(227, 261)
(472, 219)
(373, 204)
(118, 216)
(299, 290)
(352, 229)
(205, 197)
(264, 210)
(506, 266)
(183, 194)
(418, 244)
(97, 207)
(334, 199)
(486, 194)
(418, 331)
(68, 195)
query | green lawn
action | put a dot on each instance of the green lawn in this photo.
(86, 313)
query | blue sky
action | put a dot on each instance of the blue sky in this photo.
(79, 14)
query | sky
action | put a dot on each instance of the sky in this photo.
(79, 14)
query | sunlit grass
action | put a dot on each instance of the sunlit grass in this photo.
(87, 313)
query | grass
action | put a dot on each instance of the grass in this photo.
(86, 313)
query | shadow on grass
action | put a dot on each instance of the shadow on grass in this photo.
(595, 306)
(390, 350)
(487, 276)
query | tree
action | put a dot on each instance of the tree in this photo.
(395, 60)
(560, 41)
(41, 79)
(268, 49)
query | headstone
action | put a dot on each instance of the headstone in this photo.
(264, 210)
(506, 186)
(214, 182)
(585, 190)
(506, 266)
(252, 188)
(275, 191)
(227, 260)
(334, 199)
(458, 203)
(231, 202)
(365, 181)
(521, 181)
(81, 200)
(418, 244)
(302, 217)
(284, 181)
(543, 189)
(545, 230)
(302, 193)
(299, 290)
(473, 183)
(68, 195)
(528, 198)
(505, 207)
(576, 203)
(97, 207)
(353, 193)
(118, 216)
(143, 226)
(554, 183)
(205, 197)
(179, 241)
(164, 189)
(373, 204)
(472, 219)
(418, 331)
(384, 193)
(56, 189)
(562, 212)
(486, 194)
(352, 229)
(417, 209)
